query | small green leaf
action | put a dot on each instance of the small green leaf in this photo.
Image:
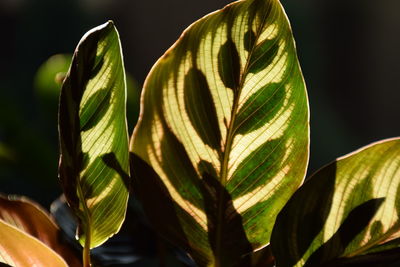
(20, 249)
(94, 162)
(32, 219)
(347, 208)
(222, 142)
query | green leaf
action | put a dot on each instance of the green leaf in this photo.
(345, 209)
(222, 141)
(20, 249)
(30, 218)
(94, 162)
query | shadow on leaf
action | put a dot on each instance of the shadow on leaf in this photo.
(357, 220)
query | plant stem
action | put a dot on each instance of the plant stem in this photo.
(86, 253)
(88, 229)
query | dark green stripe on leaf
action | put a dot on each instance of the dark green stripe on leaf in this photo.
(258, 168)
(94, 109)
(229, 65)
(179, 168)
(98, 64)
(249, 40)
(260, 108)
(201, 109)
(263, 55)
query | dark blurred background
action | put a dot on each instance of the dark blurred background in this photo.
(349, 51)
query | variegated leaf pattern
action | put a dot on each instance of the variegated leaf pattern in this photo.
(94, 162)
(347, 208)
(223, 132)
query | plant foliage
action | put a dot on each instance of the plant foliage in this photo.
(223, 131)
(357, 211)
(94, 161)
(217, 158)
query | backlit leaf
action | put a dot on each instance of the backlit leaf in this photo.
(94, 162)
(33, 220)
(20, 249)
(345, 209)
(135, 244)
(222, 142)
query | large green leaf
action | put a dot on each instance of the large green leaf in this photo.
(94, 162)
(222, 141)
(345, 209)
(32, 219)
(20, 249)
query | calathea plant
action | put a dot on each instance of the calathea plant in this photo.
(216, 160)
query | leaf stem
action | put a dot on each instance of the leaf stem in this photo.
(218, 254)
(86, 252)
(226, 153)
(86, 248)
(88, 229)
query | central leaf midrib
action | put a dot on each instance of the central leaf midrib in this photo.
(228, 144)
(236, 97)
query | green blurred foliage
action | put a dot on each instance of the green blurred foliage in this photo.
(48, 80)
(6, 155)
